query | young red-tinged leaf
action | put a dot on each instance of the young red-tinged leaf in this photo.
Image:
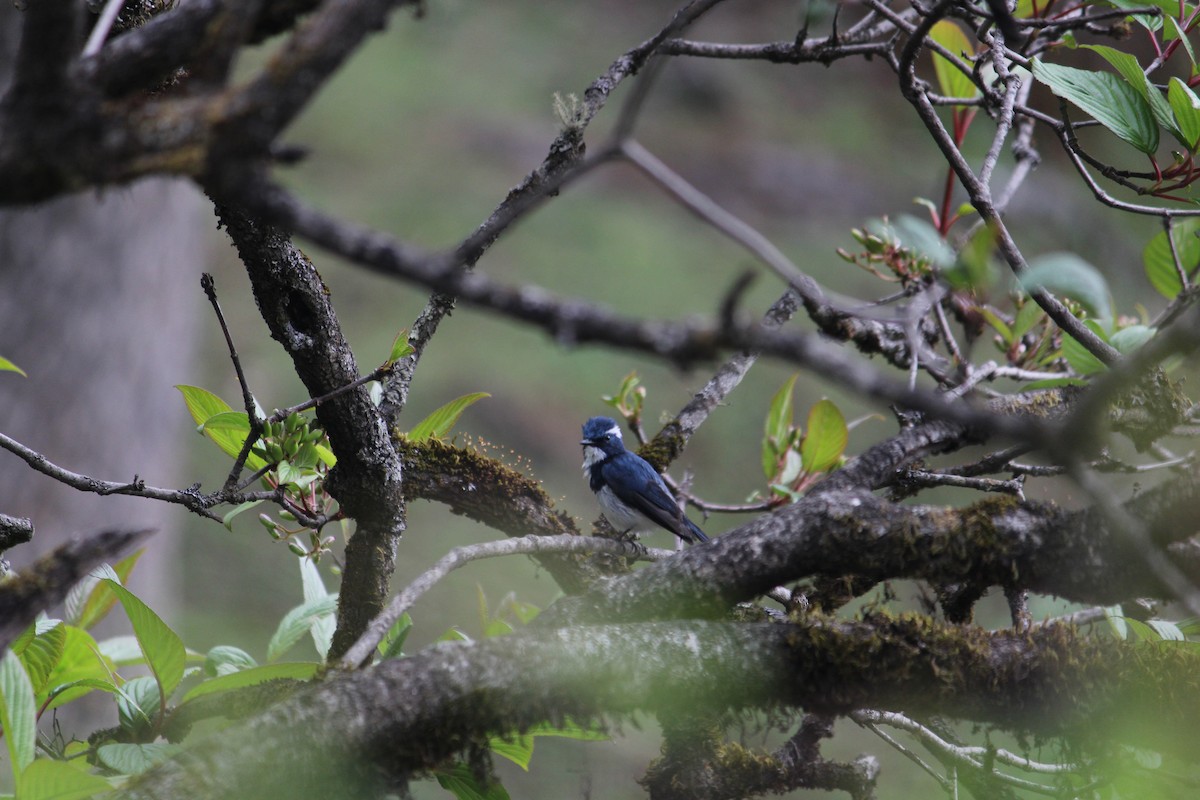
(1114, 103)
(8, 366)
(824, 438)
(951, 80)
(162, 647)
(18, 713)
(47, 779)
(439, 423)
(1160, 264)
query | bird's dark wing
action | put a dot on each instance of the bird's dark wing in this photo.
(644, 491)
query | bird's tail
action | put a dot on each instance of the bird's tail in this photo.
(697, 535)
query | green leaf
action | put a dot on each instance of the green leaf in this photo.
(326, 455)
(1129, 339)
(201, 403)
(1029, 315)
(1069, 275)
(972, 268)
(951, 80)
(162, 647)
(46, 779)
(96, 599)
(516, 748)
(225, 660)
(777, 427)
(134, 759)
(298, 622)
(825, 437)
(923, 239)
(460, 781)
(1147, 21)
(1116, 621)
(1114, 103)
(1078, 356)
(8, 366)
(84, 684)
(792, 465)
(314, 590)
(400, 347)
(138, 703)
(228, 516)
(453, 634)
(229, 430)
(1001, 327)
(439, 423)
(1131, 71)
(81, 669)
(18, 713)
(1186, 106)
(393, 643)
(289, 670)
(124, 651)
(1166, 630)
(42, 654)
(1174, 31)
(1160, 265)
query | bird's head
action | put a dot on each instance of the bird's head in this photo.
(603, 434)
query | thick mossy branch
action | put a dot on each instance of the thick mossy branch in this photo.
(490, 492)
(407, 715)
(999, 541)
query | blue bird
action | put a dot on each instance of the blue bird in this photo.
(631, 494)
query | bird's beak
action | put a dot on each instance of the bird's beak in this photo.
(586, 442)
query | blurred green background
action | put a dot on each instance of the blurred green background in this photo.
(423, 133)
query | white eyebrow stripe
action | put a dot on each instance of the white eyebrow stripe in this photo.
(615, 431)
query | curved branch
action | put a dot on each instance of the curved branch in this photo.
(1050, 681)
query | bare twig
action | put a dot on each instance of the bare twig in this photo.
(359, 653)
